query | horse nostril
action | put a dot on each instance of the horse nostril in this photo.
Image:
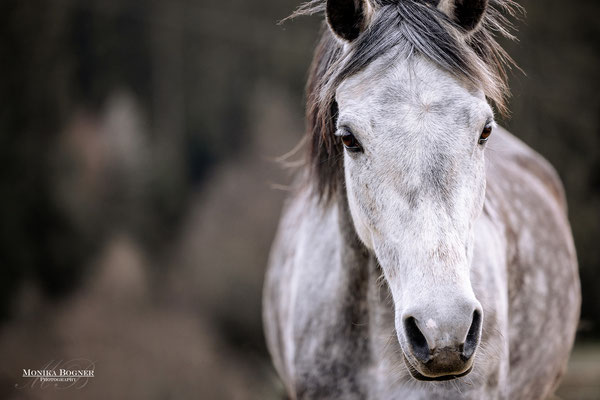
(472, 336)
(416, 340)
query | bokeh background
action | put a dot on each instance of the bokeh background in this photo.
(139, 193)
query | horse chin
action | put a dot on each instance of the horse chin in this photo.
(438, 378)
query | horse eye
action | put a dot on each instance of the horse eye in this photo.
(485, 134)
(350, 142)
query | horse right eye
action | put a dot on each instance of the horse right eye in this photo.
(350, 142)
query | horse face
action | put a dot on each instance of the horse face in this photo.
(414, 140)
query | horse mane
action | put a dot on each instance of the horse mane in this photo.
(474, 57)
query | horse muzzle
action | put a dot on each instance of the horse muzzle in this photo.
(437, 351)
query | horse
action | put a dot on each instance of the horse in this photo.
(424, 252)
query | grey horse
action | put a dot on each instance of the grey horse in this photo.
(425, 252)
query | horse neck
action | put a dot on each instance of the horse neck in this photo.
(367, 301)
(359, 265)
(354, 251)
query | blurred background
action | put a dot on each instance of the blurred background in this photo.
(139, 193)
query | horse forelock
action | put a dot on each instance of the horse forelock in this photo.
(475, 58)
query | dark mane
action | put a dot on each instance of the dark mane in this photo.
(478, 59)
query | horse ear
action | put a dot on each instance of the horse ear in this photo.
(347, 18)
(466, 13)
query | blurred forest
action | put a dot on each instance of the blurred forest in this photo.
(139, 193)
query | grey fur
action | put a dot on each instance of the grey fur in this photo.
(421, 29)
(428, 227)
(528, 329)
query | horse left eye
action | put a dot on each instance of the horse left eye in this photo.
(485, 134)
